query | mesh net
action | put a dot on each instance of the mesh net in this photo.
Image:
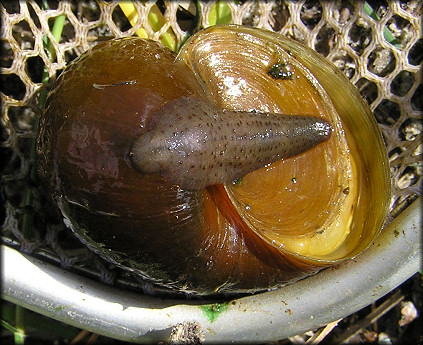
(378, 49)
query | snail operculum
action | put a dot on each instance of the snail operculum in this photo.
(194, 145)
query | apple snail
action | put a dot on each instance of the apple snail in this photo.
(242, 163)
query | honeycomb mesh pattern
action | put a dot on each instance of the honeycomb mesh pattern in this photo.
(378, 52)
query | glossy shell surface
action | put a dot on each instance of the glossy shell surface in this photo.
(275, 225)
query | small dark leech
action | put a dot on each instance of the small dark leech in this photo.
(281, 70)
(194, 145)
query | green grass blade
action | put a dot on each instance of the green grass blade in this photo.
(220, 13)
(387, 34)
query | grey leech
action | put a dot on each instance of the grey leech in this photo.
(194, 145)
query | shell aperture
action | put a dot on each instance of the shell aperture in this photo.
(194, 145)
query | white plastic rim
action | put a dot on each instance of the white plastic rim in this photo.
(330, 295)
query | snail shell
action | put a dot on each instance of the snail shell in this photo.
(275, 225)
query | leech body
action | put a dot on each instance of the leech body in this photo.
(194, 145)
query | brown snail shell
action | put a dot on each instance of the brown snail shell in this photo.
(275, 225)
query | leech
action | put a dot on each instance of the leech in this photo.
(194, 145)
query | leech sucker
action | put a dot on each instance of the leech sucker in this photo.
(194, 145)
